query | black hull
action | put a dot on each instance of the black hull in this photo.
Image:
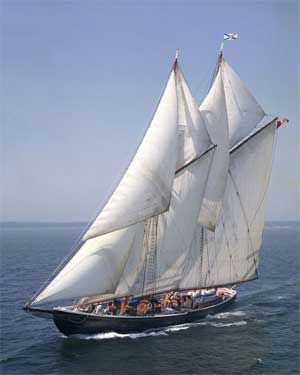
(70, 323)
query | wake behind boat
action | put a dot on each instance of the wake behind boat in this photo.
(185, 222)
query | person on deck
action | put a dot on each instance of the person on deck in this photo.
(112, 308)
(123, 306)
(98, 309)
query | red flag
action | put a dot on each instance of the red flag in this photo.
(281, 122)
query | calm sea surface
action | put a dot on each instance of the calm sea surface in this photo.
(258, 335)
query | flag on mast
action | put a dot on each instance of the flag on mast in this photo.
(230, 36)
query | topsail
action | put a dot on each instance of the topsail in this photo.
(243, 111)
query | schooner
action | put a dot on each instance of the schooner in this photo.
(185, 223)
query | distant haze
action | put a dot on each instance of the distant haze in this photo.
(81, 81)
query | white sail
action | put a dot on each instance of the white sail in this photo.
(243, 111)
(154, 233)
(145, 189)
(194, 138)
(96, 268)
(230, 254)
(105, 259)
(214, 112)
(175, 230)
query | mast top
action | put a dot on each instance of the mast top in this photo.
(176, 58)
(227, 36)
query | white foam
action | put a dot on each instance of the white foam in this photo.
(221, 325)
(225, 315)
(115, 335)
(179, 327)
(165, 331)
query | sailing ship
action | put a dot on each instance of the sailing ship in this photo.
(184, 225)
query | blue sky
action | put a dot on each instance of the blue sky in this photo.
(81, 80)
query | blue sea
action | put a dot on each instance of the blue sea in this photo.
(258, 335)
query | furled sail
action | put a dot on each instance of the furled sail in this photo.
(96, 268)
(231, 253)
(214, 113)
(145, 189)
(243, 111)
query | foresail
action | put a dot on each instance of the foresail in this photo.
(214, 113)
(231, 254)
(175, 230)
(145, 189)
(243, 111)
(96, 268)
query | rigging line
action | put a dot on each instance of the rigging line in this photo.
(217, 68)
(207, 176)
(203, 243)
(186, 105)
(234, 96)
(232, 265)
(206, 182)
(216, 260)
(125, 264)
(145, 248)
(245, 217)
(208, 268)
(269, 177)
(65, 260)
(205, 80)
(156, 258)
(190, 257)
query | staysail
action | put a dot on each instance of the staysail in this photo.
(231, 254)
(96, 267)
(214, 113)
(145, 189)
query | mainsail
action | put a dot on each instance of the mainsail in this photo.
(187, 213)
(231, 254)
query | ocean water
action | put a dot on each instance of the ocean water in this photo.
(258, 335)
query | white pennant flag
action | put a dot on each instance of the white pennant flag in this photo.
(230, 36)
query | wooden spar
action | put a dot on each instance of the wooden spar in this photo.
(245, 140)
(194, 160)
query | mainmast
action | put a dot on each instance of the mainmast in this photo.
(227, 36)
